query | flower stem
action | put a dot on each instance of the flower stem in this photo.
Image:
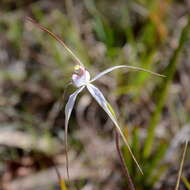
(124, 167)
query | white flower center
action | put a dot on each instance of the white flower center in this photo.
(81, 77)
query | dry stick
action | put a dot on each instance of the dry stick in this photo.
(124, 167)
(55, 37)
(181, 165)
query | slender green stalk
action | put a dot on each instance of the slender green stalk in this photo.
(169, 73)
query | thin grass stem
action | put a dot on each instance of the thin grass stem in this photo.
(124, 167)
(181, 166)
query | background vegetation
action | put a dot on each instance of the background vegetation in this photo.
(154, 112)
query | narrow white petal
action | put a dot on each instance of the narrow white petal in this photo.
(124, 66)
(68, 110)
(99, 97)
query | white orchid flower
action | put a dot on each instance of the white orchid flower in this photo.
(81, 80)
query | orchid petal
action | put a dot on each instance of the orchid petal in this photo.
(68, 110)
(81, 80)
(99, 97)
(124, 66)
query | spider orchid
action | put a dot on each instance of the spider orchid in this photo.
(81, 80)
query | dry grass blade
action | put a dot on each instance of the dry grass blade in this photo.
(181, 165)
(55, 37)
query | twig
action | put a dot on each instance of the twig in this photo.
(124, 167)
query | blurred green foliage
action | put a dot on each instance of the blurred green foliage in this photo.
(138, 33)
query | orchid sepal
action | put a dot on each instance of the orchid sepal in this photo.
(68, 109)
(123, 66)
(99, 97)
